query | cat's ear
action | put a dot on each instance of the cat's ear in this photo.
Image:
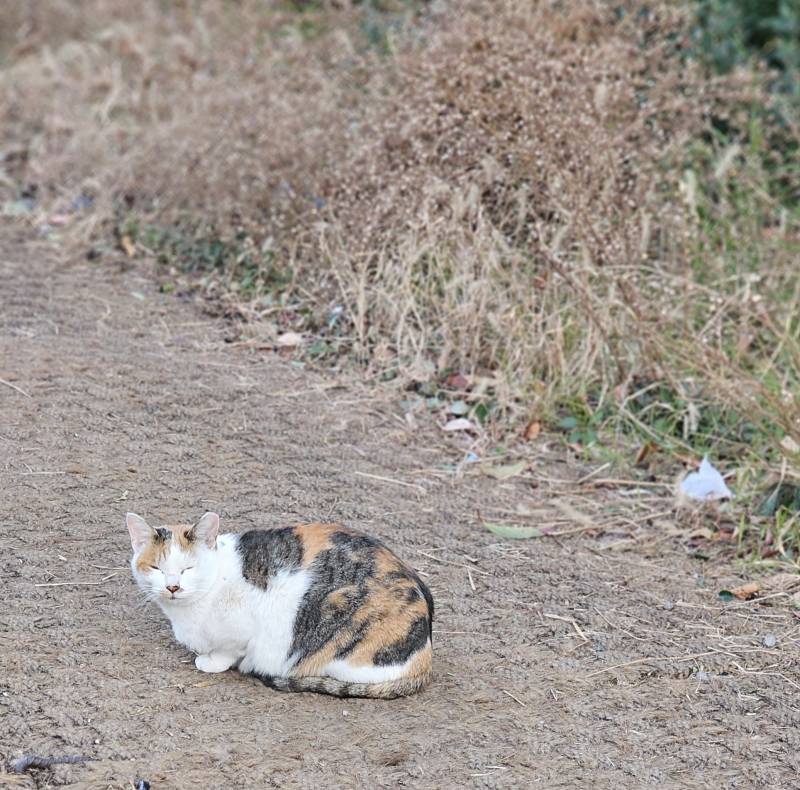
(140, 531)
(207, 529)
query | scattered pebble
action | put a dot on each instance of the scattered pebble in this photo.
(459, 424)
(669, 606)
(702, 676)
(459, 408)
(289, 340)
(770, 640)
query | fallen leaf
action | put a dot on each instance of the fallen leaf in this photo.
(128, 246)
(746, 591)
(459, 424)
(289, 340)
(532, 430)
(506, 471)
(644, 451)
(512, 531)
(457, 381)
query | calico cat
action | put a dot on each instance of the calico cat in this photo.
(314, 607)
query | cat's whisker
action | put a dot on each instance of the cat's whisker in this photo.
(147, 597)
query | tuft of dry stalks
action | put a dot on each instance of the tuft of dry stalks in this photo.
(524, 190)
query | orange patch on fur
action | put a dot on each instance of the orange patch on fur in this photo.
(390, 615)
(386, 562)
(338, 598)
(180, 534)
(151, 555)
(315, 538)
(316, 662)
(421, 664)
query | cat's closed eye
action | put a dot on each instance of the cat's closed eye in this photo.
(154, 567)
(187, 569)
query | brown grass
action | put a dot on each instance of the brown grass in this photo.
(526, 192)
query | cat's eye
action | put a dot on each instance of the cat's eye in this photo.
(188, 569)
(154, 567)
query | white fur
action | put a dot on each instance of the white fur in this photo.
(341, 670)
(219, 615)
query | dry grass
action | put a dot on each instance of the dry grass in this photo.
(531, 194)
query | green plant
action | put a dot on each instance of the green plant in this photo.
(731, 32)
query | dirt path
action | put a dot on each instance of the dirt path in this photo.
(133, 401)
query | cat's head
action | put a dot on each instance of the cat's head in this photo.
(174, 564)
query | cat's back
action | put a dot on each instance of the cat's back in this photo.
(360, 603)
(335, 559)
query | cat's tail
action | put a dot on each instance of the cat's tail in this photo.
(389, 689)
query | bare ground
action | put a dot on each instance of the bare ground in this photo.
(132, 400)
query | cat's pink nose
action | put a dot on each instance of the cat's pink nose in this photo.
(173, 588)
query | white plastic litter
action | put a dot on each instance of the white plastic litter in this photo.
(459, 424)
(706, 484)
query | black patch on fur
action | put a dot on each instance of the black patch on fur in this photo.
(162, 534)
(400, 651)
(428, 600)
(353, 640)
(267, 552)
(412, 595)
(271, 681)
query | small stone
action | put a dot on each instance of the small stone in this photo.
(289, 340)
(669, 606)
(770, 640)
(702, 676)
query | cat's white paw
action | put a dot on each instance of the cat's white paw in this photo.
(213, 663)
